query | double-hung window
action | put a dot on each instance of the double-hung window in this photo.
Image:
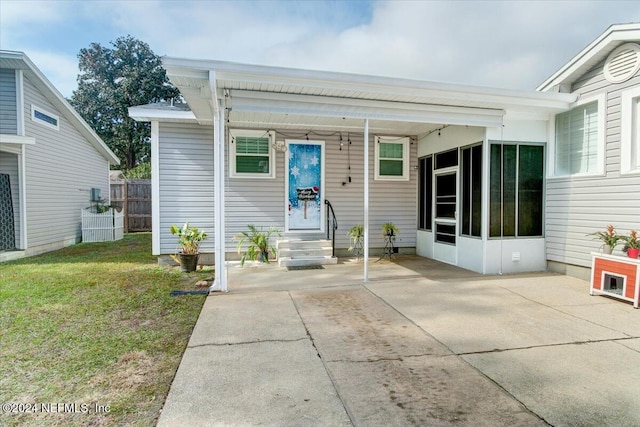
(630, 131)
(250, 154)
(392, 158)
(579, 140)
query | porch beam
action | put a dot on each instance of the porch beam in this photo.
(364, 109)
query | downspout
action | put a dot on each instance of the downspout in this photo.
(220, 278)
(366, 200)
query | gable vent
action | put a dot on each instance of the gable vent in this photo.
(622, 63)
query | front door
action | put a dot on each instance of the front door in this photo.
(304, 186)
(445, 221)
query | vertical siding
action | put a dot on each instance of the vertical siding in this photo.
(9, 165)
(186, 181)
(578, 206)
(61, 168)
(8, 115)
(185, 148)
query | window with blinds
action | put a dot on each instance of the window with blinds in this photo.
(251, 155)
(392, 159)
(577, 141)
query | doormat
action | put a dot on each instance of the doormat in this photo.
(305, 267)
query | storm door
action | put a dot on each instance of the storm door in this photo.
(445, 224)
(7, 227)
(304, 186)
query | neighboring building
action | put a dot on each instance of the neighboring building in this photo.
(593, 173)
(460, 170)
(50, 159)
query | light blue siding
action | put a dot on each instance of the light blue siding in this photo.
(8, 116)
(61, 168)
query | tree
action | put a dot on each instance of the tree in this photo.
(111, 81)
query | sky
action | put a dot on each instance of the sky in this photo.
(502, 44)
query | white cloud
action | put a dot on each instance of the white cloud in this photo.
(503, 44)
(61, 70)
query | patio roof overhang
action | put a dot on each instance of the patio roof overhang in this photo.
(286, 98)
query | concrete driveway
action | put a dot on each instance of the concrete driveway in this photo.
(422, 343)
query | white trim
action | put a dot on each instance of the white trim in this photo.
(321, 196)
(366, 200)
(155, 188)
(630, 131)
(20, 103)
(220, 280)
(601, 99)
(22, 189)
(17, 139)
(406, 146)
(233, 133)
(146, 114)
(615, 33)
(35, 108)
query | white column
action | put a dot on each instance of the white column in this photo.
(220, 282)
(366, 200)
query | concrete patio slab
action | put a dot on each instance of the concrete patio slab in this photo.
(422, 343)
(471, 317)
(593, 384)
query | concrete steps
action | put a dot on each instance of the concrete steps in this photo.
(298, 253)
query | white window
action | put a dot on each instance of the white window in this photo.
(44, 117)
(392, 158)
(630, 132)
(250, 154)
(580, 139)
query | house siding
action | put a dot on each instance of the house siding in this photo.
(186, 181)
(8, 111)
(9, 165)
(184, 148)
(576, 207)
(61, 168)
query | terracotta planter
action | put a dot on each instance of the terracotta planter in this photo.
(188, 262)
(633, 253)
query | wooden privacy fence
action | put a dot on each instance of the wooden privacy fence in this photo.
(134, 198)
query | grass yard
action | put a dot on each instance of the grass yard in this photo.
(91, 326)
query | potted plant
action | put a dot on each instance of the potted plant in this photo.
(355, 234)
(189, 239)
(609, 238)
(390, 230)
(259, 246)
(632, 244)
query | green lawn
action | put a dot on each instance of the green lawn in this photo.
(92, 324)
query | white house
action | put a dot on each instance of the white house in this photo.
(593, 173)
(468, 174)
(50, 159)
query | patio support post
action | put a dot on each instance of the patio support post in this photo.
(366, 200)
(220, 282)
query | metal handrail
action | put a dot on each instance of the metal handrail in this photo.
(334, 221)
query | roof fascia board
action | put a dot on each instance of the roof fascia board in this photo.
(56, 98)
(612, 34)
(141, 114)
(259, 74)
